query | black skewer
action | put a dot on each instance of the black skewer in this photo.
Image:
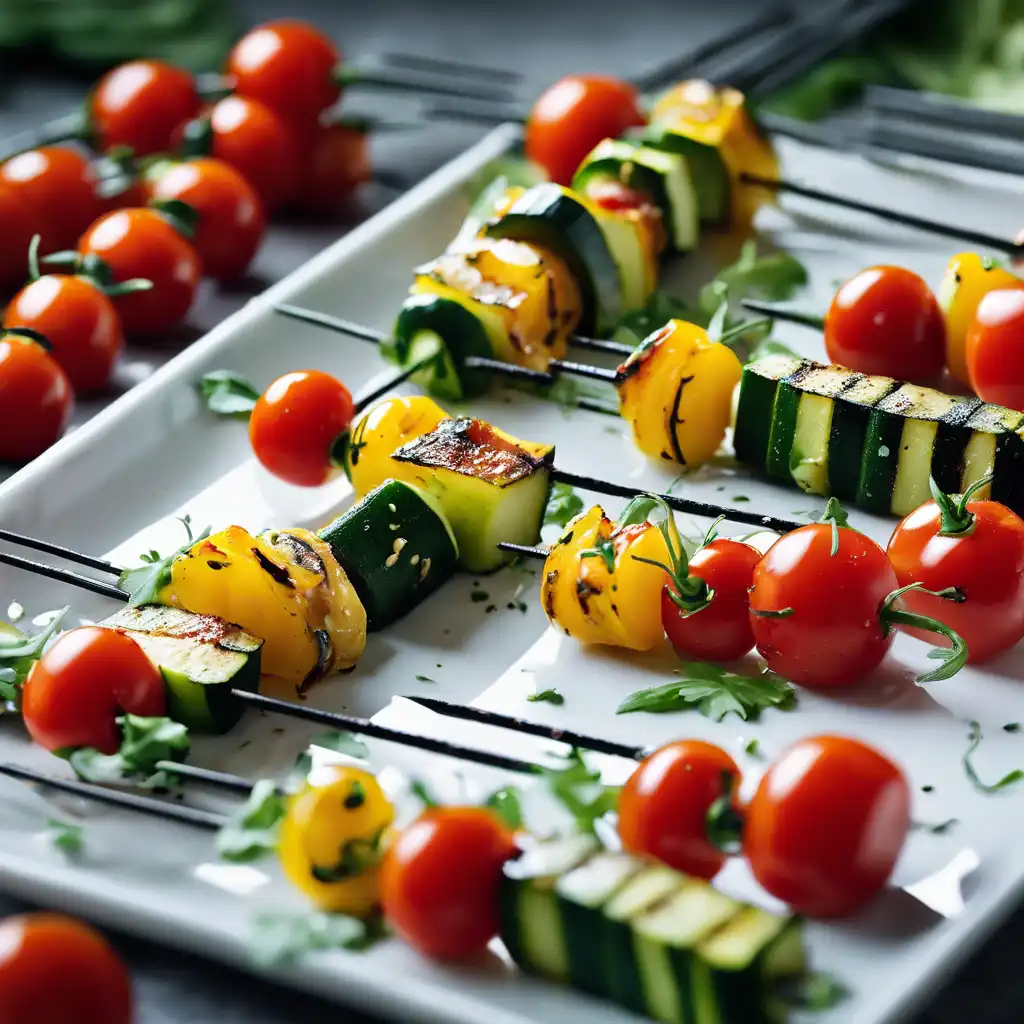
(57, 549)
(233, 783)
(429, 83)
(391, 383)
(943, 111)
(118, 798)
(63, 576)
(415, 62)
(467, 713)
(556, 367)
(782, 313)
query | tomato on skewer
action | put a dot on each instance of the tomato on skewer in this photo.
(35, 398)
(339, 162)
(995, 348)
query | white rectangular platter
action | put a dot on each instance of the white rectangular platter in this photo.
(117, 483)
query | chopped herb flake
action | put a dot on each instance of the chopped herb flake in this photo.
(281, 938)
(1011, 778)
(550, 696)
(476, 596)
(68, 838)
(252, 831)
(1012, 727)
(425, 679)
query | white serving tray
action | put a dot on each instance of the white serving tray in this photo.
(116, 484)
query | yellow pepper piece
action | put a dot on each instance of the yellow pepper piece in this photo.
(677, 391)
(595, 589)
(382, 429)
(332, 839)
(719, 118)
(968, 279)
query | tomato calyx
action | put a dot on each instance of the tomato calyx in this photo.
(116, 172)
(953, 658)
(197, 138)
(724, 820)
(26, 332)
(957, 519)
(91, 267)
(837, 516)
(180, 215)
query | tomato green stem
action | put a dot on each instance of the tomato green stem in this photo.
(952, 659)
(836, 515)
(957, 519)
(712, 534)
(724, 820)
(738, 330)
(26, 332)
(181, 216)
(33, 258)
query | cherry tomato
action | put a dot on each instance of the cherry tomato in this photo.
(139, 105)
(35, 399)
(339, 162)
(721, 630)
(572, 116)
(288, 65)
(663, 807)
(59, 184)
(296, 423)
(140, 243)
(439, 880)
(830, 632)
(982, 555)
(231, 218)
(826, 825)
(995, 348)
(265, 149)
(54, 969)
(82, 683)
(887, 321)
(17, 226)
(78, 320)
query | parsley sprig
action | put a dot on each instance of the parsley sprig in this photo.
(144, 583)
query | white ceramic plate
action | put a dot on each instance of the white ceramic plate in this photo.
(116, 484)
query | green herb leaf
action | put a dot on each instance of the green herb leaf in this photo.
(974, 739)
(19, 652)
(425, 679)
(278, 939)
(603, 548)
(580, 791)
(774, 277)
(660, 307)
(506, 804)
(715, 692)
(753, 748)
(227, 394)
(253, 830)
(341, 743)
(144, 583)
(421, 791)
(815, 991)
(478, 596)
(563, 504)
(145, 742)
(550, 696)
(770, 347)
(68, 838)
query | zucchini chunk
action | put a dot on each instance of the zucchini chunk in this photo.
(651, 939)
(396, 546)
(662, 176)
(753, 422)
(201, 658)
(995, 445)
(490, 485)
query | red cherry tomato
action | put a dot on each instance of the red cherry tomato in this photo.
(826, 825)
(231, 218)
(572, 116)
(887, 321)
(995, 348)
(439, 881)
(35, 399)
(140, 243)
(139, 105)
(287, 65)
(54, 969)
(663, 807)
(296, 423)
(339, 163)
(721, 630)
(18, 224)
(830, 632)
(82, 683)
(59, 184)
(78, 320)
(984, 561)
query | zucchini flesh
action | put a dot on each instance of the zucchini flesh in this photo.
(201, 658)
(994, 445)
(396, 547)
(758, 388)
(849, 429)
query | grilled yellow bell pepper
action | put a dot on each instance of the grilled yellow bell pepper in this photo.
(676, 391)
(595, 588)
(719, 118)
(969, 278)
(332, 838)
(286, 587)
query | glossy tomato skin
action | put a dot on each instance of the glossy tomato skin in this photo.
(59, 185)
(82, 683)
(139, 105)
(78, 320)
(54, 969)
(826, 825)
(887, 321)
(296, 423)
(720, 631)
(833, 636)
(986, 565)
(287, 65)
(35, 399)
(17, 226)
(339, 162)
(140, 243)
(231, 222)
(572, 116)
(439, 881)
(995, 348)
(663, 807)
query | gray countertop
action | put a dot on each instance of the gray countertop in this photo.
(542, 40)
